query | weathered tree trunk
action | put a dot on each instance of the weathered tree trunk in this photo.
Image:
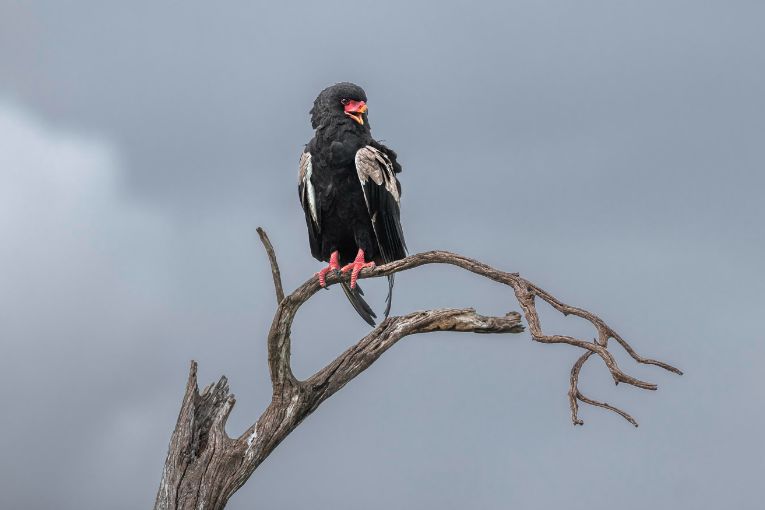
(205, 467)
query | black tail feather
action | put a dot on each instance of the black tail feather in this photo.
(389, 299)
(359, 304)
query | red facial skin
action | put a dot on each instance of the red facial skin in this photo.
(355, 110)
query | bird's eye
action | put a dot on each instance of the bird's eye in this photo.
(344, 101)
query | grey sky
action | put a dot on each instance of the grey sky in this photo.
(612, 152)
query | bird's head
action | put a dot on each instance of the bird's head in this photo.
(341, 102)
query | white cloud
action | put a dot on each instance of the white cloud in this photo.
(56, 168)
(69, 237)
(82, 272)
(103, 300)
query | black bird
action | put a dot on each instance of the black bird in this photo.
(349, 192)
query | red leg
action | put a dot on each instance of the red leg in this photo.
(334, 265)
(356, 266)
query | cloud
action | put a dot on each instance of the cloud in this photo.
(80, 267)
(103, 301)
(70, 237)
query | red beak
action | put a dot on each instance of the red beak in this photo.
(355, 110)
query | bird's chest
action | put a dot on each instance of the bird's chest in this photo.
(338, 189)
(337, 184)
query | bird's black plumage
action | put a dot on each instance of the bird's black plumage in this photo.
(348, 187)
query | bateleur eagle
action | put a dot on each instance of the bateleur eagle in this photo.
(349, 193)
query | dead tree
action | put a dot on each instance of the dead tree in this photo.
(205, 466)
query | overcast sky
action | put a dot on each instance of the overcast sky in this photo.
(612, 152)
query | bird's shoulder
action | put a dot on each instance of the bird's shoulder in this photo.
(373, 164)
(389, 153)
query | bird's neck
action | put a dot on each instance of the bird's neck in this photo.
(337, 144)
(345, 131)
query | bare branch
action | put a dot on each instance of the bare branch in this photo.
(525, 292)
(358, 358)
(575, 395)
(278, 345)
(274, 264)
(294, 402)
(203, 458)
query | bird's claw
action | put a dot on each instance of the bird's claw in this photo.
(355, 268)
(323, 275)
(334, 265)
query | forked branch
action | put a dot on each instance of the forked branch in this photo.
(205, 467)
(526, 294)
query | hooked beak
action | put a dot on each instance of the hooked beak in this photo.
(355, 110)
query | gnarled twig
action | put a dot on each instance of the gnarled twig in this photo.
(275, 273)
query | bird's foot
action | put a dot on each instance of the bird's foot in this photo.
(356, 266)
(334, 265)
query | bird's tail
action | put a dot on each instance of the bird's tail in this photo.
(359, 304)
(389, 299)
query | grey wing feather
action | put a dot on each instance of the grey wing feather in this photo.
(382, 193)
(310, 203)
(307, 193)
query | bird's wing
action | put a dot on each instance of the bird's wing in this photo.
(382, 193)
(308, 200)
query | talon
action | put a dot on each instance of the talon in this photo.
(356, 266)
(334, 265)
